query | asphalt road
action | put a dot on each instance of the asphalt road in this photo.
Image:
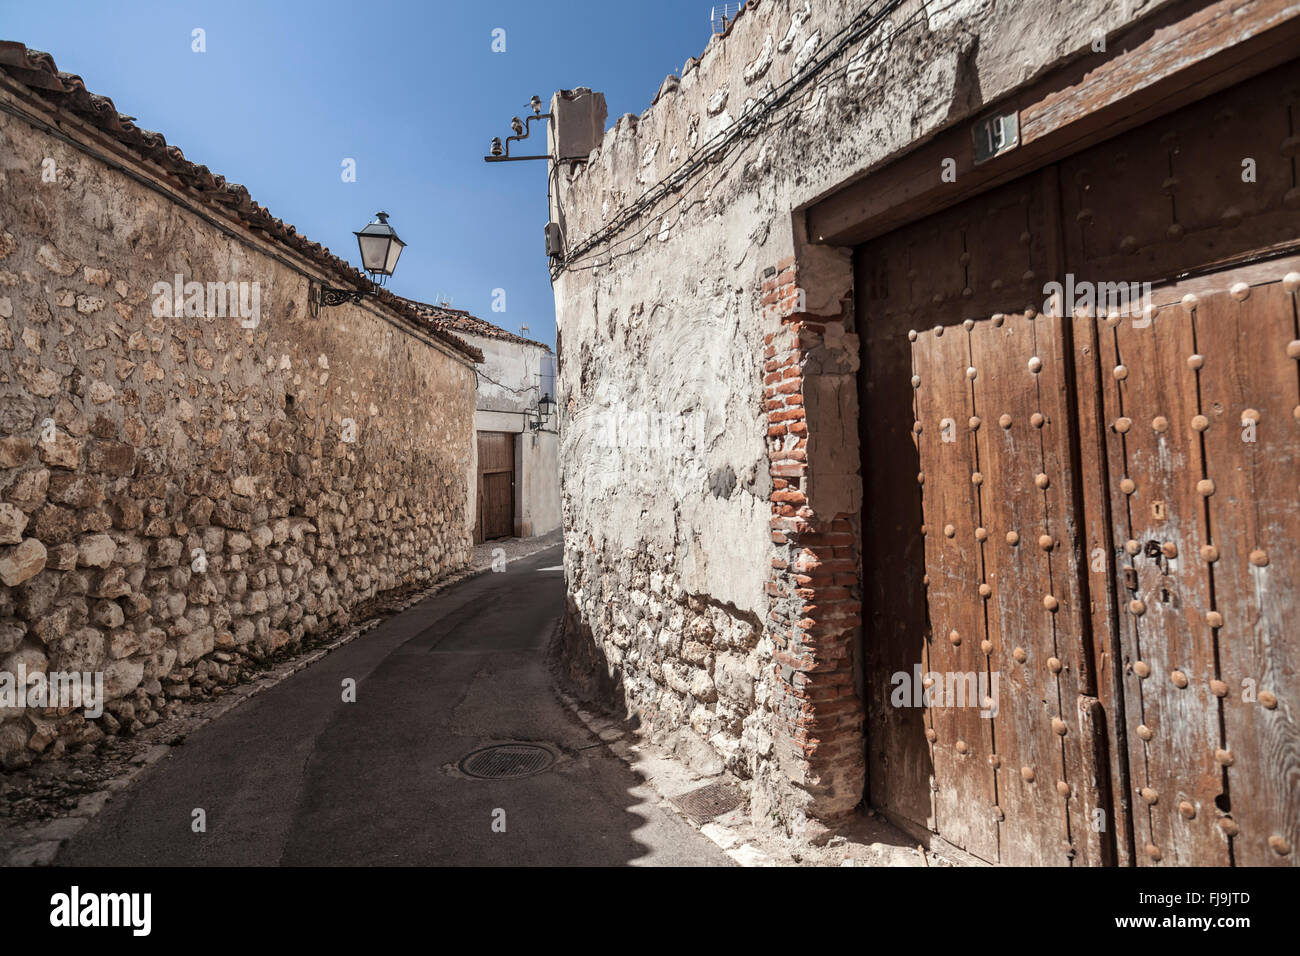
(296, 776)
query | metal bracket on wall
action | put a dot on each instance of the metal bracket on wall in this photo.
(330, 296)
(522, 131)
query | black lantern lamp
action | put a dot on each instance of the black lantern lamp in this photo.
(546, 404)
(380, 247)
(380, 250)
(540, 414)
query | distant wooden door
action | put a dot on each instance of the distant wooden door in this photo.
(496, 485)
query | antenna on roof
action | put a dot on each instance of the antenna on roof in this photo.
(523, 330)
(723, 14)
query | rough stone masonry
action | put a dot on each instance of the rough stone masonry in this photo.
(187, 484)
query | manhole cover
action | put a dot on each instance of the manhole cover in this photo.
(709, 801)
(507, 760)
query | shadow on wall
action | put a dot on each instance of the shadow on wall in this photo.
(581, 666)
(895, 622)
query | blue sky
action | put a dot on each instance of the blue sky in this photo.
(411, 90)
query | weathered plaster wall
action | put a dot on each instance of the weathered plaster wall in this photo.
(507, 389)
(712, 317)
(539, 495)
(129, 441)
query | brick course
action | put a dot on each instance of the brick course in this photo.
(815, 610)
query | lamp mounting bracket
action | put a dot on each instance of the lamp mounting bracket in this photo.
(330, 296)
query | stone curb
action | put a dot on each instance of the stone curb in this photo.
(743, 850)
(616, 740)
(40, 844)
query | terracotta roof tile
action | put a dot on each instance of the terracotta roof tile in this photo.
(66, 91)
(458, 320)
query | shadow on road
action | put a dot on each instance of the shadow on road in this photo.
(298, 776)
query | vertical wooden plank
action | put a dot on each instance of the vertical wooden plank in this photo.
(510, 488)
(962, 740)
(1099, 556)
(478, 521)
(1018, 578)
(899, 771)
(1155, 462)
(1249, 392)
(1083, 750)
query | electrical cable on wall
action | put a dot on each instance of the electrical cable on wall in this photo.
(501, 385)
(748, 125)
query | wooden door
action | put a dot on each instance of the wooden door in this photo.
(1201, 424)
(983, 472)
(1005, 596)
(1191, 405)
(496, 485)
(985, 475)
(1102, 513)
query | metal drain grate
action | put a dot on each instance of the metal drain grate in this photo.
(711, 800)
(507, 760)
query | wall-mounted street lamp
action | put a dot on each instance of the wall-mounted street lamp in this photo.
(501, 154)
(541, 413)
(380, 250)
(546, 405)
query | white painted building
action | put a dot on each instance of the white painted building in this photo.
(517, 489)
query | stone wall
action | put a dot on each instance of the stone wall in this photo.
(712, 319)
(690, 668)
(182, 496)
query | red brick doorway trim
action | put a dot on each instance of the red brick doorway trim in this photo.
(814, 587)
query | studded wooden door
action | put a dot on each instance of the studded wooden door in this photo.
(1016, 766)
(1109, 510)
(1190, 402)
(1020, 780)
(1199, 413)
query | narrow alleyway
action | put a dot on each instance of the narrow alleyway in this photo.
(296, 776)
